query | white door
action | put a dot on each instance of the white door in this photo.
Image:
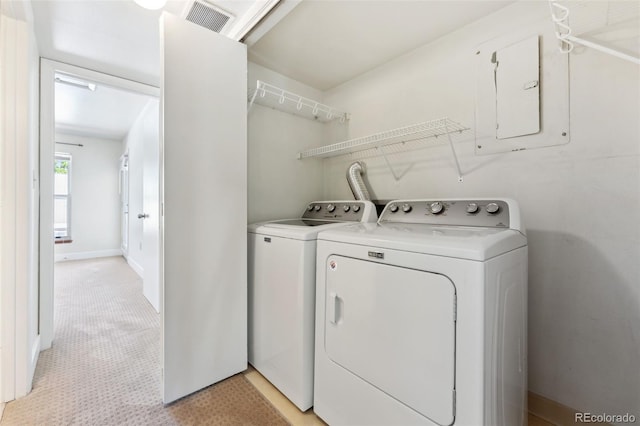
(151, 204)
(204, 194)
(124, 204)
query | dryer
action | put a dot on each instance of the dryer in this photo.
(421, 318)
(281, 290)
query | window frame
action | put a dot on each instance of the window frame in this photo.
(64, 156)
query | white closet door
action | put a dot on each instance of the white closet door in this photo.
(204, 194)
(151, 205)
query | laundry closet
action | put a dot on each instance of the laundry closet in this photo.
(526, 111)
(438, 122)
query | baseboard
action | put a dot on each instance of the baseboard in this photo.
(554, 412)
(35, 353)
(87, 255)
(136, 266)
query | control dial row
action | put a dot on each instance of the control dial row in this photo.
(491, 208)
(437, 207)
(331, 208)
(405, 208)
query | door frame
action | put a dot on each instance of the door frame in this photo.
(48, 69)
(18, 213)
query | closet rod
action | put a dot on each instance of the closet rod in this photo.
(560, 18)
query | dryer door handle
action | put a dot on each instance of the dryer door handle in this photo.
(333, 308)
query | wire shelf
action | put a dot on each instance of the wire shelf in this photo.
(274, 97)
(429, 129)
(395, 137)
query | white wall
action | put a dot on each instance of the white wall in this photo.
(280, 186)
(146, 126)
(95, 206)
(580, 200)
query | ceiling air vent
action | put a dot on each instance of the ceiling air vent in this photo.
(208, 16)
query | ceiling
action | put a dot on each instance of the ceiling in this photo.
(321, 43)
(326, 43)
(106, 113)
(115, 37)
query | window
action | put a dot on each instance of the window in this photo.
(62, 196)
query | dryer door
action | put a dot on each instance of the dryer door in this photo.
(394, 328)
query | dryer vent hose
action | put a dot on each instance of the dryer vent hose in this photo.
(357, 185)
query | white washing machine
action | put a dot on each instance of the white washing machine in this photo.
(282, 279)
(421, 319)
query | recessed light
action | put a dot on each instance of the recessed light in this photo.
(76, 83)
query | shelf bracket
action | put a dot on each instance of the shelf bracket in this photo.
(455, 155)
(253, 98)
(396, 176)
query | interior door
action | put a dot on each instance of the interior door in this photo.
(124, 204)
(204, 195)
(151, 205)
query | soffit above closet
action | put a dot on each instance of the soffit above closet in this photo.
(326, 43)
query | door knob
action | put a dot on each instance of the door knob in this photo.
(143, 215)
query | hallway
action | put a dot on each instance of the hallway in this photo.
(104, 367)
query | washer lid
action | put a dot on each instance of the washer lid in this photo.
(463, 242)
(300, 222)
(299, 229)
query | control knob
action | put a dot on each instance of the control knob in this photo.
(436, 207)
(393, 208)
(317, 207)
(331, 208)
(472, 208)
(356, 208)
(406, 208)
(346, 208)
(493, 208)
(310, 207)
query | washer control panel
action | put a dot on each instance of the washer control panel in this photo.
(485, 213)
(344, 211)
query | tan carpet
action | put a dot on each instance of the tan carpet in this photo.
(104, 367)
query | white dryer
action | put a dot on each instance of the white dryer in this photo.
(421, 319)
(282, 278)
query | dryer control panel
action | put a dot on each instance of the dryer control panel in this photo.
(343, 211)
(453, 212)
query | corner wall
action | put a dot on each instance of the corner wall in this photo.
(580, 201)
(280, 185)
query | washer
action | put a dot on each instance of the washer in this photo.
(421, 318)
(282, 263)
